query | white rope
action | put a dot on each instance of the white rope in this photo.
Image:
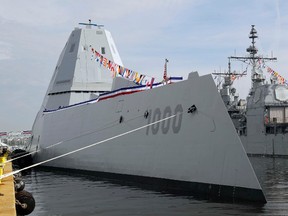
(25, 155)
(89, 146)
(55, 144)
(63, 141)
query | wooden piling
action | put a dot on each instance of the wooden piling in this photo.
(7, 193)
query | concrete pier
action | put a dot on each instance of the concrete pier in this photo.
(7, 193)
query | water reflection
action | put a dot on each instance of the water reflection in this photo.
(273, 177)
(65, 193)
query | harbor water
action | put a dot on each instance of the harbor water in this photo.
(61, 193)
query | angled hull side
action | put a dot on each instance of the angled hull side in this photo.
(200, 149)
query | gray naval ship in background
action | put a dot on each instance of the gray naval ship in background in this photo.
(262, 119)
(177, 135)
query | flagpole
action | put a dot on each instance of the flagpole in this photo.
(165, 78)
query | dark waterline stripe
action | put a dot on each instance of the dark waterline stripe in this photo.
(213, 192)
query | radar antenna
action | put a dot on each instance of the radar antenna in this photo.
(88, 25)
(253, 59)
(229, 76)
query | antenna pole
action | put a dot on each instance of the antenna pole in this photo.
(257, 77)
(165, 77)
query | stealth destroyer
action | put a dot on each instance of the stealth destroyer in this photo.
(98, 115)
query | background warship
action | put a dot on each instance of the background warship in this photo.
(177, 135)
(262, 119)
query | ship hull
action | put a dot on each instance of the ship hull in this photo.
(194, 151)
(266, 133)
(268, 145)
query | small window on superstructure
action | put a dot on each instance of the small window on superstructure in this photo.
(102, 50)
(72, 48)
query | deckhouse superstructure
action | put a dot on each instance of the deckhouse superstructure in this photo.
(76, 78)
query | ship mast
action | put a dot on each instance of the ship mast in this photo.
(257, 77)
(229, 76)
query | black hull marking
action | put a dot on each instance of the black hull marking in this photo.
(198, 190)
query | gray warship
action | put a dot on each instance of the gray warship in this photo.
(261, 119)
(99, 116)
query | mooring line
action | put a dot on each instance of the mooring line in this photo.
(58, 143)
(112, 124)
(83, 148)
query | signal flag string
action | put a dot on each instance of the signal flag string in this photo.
(89, 146)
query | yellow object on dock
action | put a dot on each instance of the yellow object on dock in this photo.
(7, 193)
(2, 160)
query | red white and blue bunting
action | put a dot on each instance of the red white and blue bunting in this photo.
(118, 70)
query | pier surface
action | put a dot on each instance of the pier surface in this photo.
(7, 193)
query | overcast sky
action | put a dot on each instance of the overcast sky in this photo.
(195, 35)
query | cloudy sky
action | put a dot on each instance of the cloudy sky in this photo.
(195, 35)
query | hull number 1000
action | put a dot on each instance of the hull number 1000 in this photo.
(165, 126)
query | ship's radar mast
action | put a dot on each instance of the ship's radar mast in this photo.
(254, 60)
(89, 24)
